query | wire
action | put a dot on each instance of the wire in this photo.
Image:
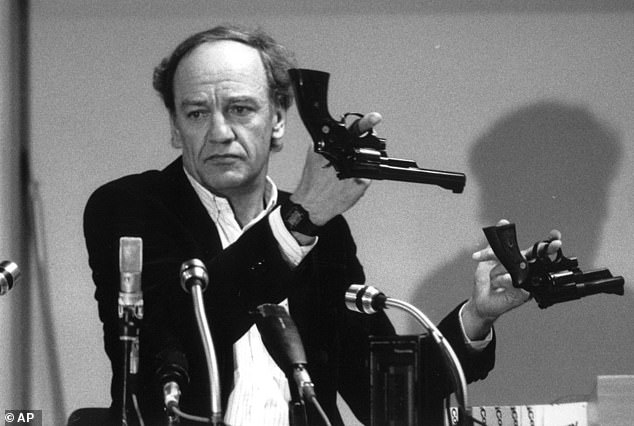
(320, 410)
(191, 417)
(135, 402)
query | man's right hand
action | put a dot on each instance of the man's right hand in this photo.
(321, 192)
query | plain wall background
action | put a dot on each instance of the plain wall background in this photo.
(533, 101)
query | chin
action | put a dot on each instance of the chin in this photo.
(227, 182)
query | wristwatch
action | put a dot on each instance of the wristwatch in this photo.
(296, 219)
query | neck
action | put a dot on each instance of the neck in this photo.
(247, 207)
(246, 202)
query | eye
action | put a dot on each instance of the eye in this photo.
(241, 110)
(195, 115)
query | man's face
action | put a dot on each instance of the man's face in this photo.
(224, 119)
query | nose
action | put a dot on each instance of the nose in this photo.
(220, 130)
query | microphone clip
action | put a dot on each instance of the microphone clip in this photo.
(130, 309)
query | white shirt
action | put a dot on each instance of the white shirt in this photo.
(260, 395)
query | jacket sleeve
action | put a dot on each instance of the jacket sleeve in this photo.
(475, 363)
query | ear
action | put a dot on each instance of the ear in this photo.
(176, 134)
(279, 126)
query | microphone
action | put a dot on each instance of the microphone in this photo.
(283, 342)
(9, 276)
(194, 280)
(130, 265)
(280, 336)
(194, 272)
(365, 299)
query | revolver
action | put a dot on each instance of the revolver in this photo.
(351, 153)
(548, 281)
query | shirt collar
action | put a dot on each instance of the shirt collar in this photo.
(218, 206)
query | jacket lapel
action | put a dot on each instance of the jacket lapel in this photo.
(192, 215)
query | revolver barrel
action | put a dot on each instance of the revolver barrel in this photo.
(368, 163)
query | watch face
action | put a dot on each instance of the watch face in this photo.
(294, 217)
(297, 219)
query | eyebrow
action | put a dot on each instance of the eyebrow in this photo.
(238, 98)
(193, 102)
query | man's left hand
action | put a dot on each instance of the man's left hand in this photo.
(493, 291)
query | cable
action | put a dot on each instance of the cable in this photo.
(190, 416)
(135, 402)
(320, 410)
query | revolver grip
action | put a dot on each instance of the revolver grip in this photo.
(503, 241)
(311, 95)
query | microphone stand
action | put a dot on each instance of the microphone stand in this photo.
(210, 354)
(194, 279)
(450, 357)
(369, 300)
(130, 317)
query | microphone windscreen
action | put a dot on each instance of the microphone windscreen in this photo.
(192, 272)
(280, 336)
(365, 299)
(130, 263)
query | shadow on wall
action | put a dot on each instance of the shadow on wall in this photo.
(546, 165)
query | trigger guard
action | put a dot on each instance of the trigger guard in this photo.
(354, 126)
(543, 256)
(348, 114)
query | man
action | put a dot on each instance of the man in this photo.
(227, 92)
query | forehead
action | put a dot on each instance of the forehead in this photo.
(220, 62)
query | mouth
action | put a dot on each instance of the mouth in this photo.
(223, 158)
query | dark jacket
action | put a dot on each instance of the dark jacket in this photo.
(162, 208)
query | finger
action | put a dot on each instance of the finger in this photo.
(498, 269)
(551, 248)
(483, 255)
(369, 121)
(500, 272)
(554, 247)
(554, 235)
(500, 280)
